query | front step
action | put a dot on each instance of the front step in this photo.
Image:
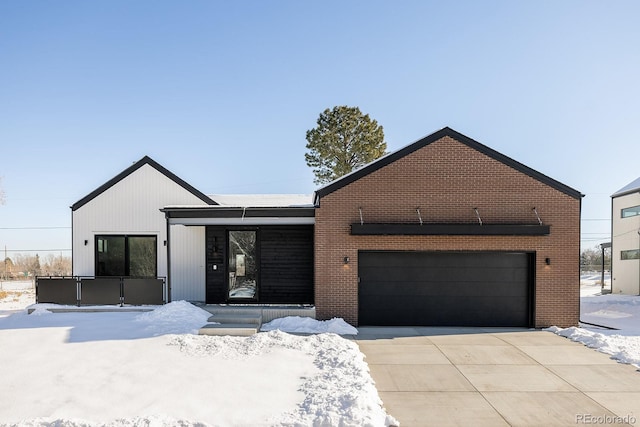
(233, 329)
(235, 324)
(248, 318)
(269, 312)
(243, 320)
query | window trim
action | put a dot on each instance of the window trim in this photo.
(127, 255)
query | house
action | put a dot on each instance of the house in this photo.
(445, 231)
(625, 241)
(118, 229)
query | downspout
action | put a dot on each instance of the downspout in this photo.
(600, 326)
(166, 215)
(72, 241)
(579, 234)
(602, 272)
(639, 252)
(612, 241)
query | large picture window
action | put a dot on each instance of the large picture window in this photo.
(122, 255)
(629, 212)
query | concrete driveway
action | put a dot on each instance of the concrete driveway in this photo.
(497, 377)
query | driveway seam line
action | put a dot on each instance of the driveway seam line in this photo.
(474, 387)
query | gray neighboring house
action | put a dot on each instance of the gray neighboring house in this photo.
(625, 240)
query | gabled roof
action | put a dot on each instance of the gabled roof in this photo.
(396, 155)
(146, 160)
(632, 187)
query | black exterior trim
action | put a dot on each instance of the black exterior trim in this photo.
(449, 230)
(235, 212)
(390, 158)
(532, 287)
(146, 160)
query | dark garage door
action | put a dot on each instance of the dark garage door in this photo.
(444, 289)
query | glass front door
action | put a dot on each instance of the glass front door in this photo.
(243, 277)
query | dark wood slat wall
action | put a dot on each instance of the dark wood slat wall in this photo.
(285, 267)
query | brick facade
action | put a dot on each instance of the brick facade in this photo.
(446, 179)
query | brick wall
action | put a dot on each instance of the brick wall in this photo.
(446, 180)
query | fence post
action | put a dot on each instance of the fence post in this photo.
(78, 291)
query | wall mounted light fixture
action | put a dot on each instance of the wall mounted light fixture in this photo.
(165, 243)
(86, 242)
(547, 261)
(346, 260)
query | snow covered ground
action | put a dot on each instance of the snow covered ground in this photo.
(150, 369)
(16, 285)
(621, 312)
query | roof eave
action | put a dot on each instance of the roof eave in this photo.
(232, 212)
(146, 160)
(392, 157)
(626, 193)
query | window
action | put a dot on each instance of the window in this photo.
(629, 212)
(243, 269)
(630, 254)
(118, 255)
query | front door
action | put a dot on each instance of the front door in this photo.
(243, 267)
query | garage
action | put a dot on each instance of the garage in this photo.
(406, 288)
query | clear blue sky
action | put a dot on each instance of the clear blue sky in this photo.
(222, 92)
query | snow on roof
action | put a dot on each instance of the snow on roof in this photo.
(629, 188)
(263, 200)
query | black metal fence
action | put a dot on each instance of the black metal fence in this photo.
(90, 290)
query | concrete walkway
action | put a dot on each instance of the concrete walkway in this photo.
(497, 377)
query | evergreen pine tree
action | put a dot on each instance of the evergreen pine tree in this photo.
(343, 140)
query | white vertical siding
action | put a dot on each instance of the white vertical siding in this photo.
(626, 273)
(188, 263)
(131, 206)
